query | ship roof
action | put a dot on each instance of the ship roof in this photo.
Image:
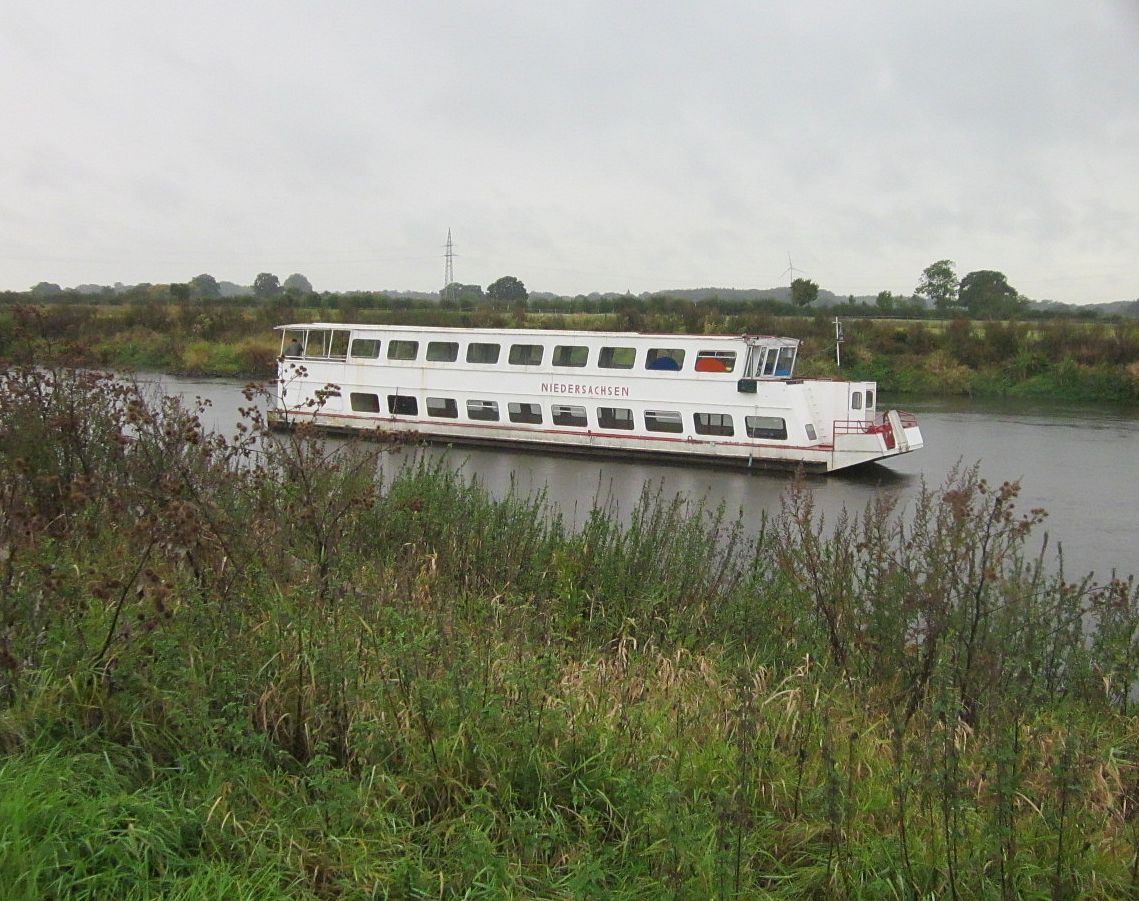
(523, 332)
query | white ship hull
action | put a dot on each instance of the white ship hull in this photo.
(709, 399)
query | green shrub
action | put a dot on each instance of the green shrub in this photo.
(270, 667)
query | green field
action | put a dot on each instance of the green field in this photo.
(1084, 360)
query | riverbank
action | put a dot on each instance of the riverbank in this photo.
(284, 680)
(1070, 360)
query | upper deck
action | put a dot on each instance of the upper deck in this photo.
(613, 353)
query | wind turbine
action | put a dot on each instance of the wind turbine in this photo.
(791, 268)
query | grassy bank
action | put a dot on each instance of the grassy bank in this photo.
(1075, 360)
(247, 667)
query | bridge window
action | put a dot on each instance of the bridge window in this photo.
(479, 352)
(485, 410)
(713, 424)
(663, 421)
(811, 432)
(668, 359)
(869, 400)
(403, 350)
(856, 400)
(614, 418)
(402, 405)
(364, 403)
(530, 413)
(526, 354)
(570, 355)
(365, 348)
(442, 351)
(442, 406)
(564, 414)
(769, 427)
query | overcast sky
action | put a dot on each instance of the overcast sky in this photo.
(580, 146)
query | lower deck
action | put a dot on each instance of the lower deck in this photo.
(854, 443)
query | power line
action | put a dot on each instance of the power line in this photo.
(449, 268)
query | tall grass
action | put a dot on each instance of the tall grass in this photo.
(268, 665)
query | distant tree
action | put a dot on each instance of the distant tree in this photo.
(456, 291)
(507, 288)
(266, 285)
(803, 292)
(204, 286)
(297, 284)
(46, 289)
(886, 301)
(180, 291)
(987, 294)
(939, 284)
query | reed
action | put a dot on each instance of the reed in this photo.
(272, 665)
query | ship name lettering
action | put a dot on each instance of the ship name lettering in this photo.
(589, 390)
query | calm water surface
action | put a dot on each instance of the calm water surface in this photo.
(1078, 463)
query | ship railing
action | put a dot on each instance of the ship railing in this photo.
(879, 425)
(861, 426)
(909, 420)
(873, 426)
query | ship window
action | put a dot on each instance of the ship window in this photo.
(364, 403)
(291, 338)
(526, 354)
(531, 413)
(774, 427)
(716, 361)
(442, 351)
(485, 410)
(665, 358)
(338, 347)
(442, 406)
(478, 352)
(403, 350)
(570, 355)
(786, 362)
(402, 405)
(811, 431)
(663, 421)
(614, 418)
(616, 357)
(315, 344)
(564, 414)
(713, 424)
(366, 348)
(869, 400)
(856, 400)
(769, 363)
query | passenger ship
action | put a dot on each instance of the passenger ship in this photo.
(717, 399)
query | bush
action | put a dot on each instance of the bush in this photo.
(267, 666)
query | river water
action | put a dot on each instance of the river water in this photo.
(1080, 464)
